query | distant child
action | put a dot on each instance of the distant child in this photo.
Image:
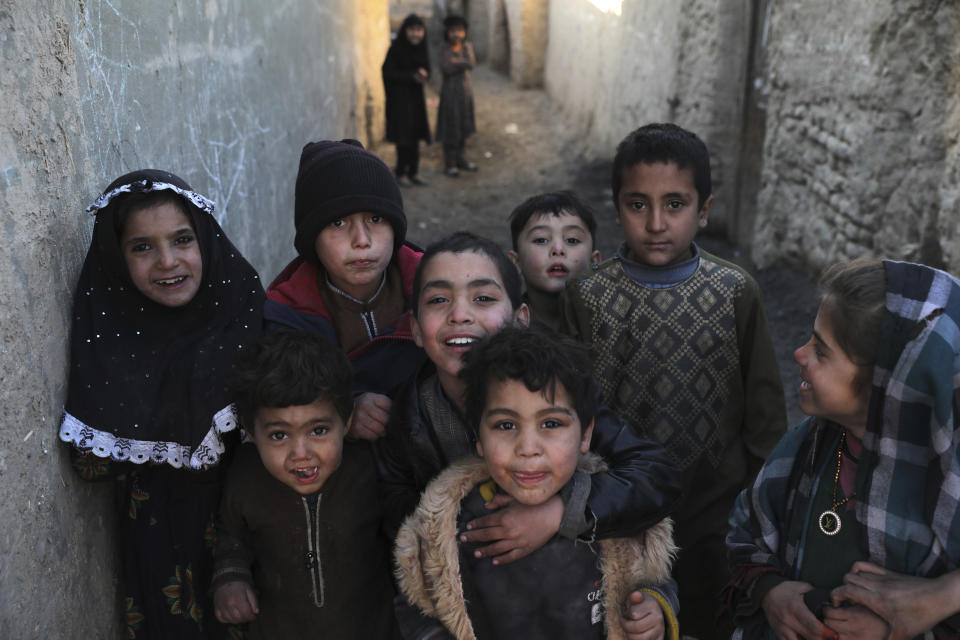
(455, 120)
(465, 290)
(405, 70)
(299, 552)
(852, 527)
(531, 405)
(552, 241)
(163, 305)
(354, 277)
(682, 350)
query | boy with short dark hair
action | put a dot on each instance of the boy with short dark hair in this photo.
(682, 350)
(531, 403)
(352, 281)
(299, 548)
(552, 236)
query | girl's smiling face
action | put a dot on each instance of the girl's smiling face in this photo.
(462, 300)
(160, 249)
(828, 378)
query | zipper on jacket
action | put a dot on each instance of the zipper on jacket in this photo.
(311, 510)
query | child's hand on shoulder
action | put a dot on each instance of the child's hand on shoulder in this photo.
(642, 618)
(371, 411)
(235, 603)
(516, 530)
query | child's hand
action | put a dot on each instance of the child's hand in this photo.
(371, 411)
(855, 622)
(642, 618)
(909, 605)
(235, 603)
(517, 529)
(789, 615)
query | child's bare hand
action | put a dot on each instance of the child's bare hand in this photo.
(371, 411)
(235, 603)
(909, 605)
(517, 529)
(855, 622)
(789, 615)
(642, 618)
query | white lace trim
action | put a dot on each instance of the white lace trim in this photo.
(145, 186)
(106, 445)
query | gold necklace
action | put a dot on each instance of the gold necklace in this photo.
(829, 520)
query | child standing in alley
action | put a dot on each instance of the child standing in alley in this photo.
(552, 242)
(163, 305)
(531, 405)
(405, 71)
(682, 350)
(455, 121)
(353, 279)
(299, 548)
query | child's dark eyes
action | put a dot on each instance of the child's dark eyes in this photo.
(436, 300)
(321, 431)
(185, 239)
(485, 298)
(277, 436)
(539, 241)
(574, 241)
(376, 219)
(551, 424)
(638, 205)
(676, 204)
(140, 248)
(336, 224)
(505, 425)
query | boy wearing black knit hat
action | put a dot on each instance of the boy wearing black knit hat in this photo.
(353, 278)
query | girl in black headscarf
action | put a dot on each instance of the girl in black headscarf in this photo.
(163, 305)
(405, 71)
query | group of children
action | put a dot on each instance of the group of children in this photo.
(405, 71)
(429, 456)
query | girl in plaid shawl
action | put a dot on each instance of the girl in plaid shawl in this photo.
(852, 526)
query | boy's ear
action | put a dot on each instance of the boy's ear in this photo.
(585, 439)
(416, 330)
(514, 257)
(479, 448)
(595, 256)
(522, 315)
(704, 213)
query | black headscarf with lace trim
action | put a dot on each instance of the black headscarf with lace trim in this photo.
(150, 382)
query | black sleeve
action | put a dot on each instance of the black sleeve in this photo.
(393, 74)
(640, 487)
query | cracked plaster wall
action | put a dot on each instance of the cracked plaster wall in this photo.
(222, 92)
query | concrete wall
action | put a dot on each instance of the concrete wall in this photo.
(222, 92)
(860, 153)
(616, 66)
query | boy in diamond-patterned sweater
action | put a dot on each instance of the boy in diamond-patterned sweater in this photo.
(682, 350)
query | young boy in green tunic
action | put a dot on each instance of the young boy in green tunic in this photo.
(682, 350)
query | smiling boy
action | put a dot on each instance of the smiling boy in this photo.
(682, 350)
(531, 405)
(299, 550)
(552, 236)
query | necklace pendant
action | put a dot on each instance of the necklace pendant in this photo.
(830, 522)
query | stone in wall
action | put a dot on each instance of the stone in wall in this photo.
(860, 153)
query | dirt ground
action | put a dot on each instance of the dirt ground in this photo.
(523, 148)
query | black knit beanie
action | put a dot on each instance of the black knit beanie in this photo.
(339, 178)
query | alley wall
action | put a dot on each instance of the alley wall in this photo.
(223, 93)
(833, 127)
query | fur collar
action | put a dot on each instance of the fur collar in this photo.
(427, 557)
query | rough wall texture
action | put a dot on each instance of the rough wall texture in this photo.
(659, 60)
(862, 122)
(528, 29)
(222, 92)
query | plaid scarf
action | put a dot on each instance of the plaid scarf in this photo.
(910, 450)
